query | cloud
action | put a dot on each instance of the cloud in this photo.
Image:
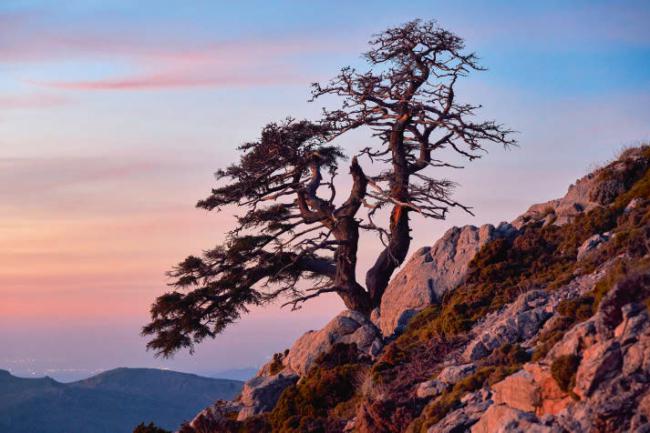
(31, 101)
(175, 80)
(153, 60)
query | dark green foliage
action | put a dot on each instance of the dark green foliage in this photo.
(548, 337)
(563, 370)
(213, 290)
(508, 355)
(311, 405)
(578, 310)
(293, 224)
(149, 428)
(277, 364)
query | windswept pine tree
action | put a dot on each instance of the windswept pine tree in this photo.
(295, 225)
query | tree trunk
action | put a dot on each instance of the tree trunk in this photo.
(353, 294)
(395, 252)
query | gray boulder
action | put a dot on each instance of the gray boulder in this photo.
(433, 271)
(455, 373)
(518, 322)
(430, 389)
(349, 327)
(261, 393)
(592, 243)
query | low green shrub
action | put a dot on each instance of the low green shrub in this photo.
(563, 370)
(149, 428)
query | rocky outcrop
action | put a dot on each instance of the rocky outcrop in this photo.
(349, 327)
(599, 188)
(213, 418)
(433, 271)
(562, 349)
(611, 386)
(473, 407)
(519, 391)
(430, 389)
(500, 418)
(518, 322)
(592, 243)
(261, 393)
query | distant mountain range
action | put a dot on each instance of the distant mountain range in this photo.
(234, 373)
(111, 402)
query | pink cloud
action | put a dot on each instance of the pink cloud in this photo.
(31, 101)
(156, 60)
(158, 81)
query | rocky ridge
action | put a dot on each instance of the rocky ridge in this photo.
(538, 325)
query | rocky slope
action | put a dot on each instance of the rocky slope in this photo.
(538, 325)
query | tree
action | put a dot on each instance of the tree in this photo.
(294, 228)
(149, 428)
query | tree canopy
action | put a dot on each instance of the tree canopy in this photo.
(293, 226)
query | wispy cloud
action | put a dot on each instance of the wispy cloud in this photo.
(154, 60)
(31, 101)
(175, 80)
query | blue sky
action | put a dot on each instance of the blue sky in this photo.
(114, 114)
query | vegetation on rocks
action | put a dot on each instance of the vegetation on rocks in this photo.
(149, 428)
(542, 256)
(564, 370)
(319, 402)
(380, 396)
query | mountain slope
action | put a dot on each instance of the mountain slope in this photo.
(112, 402)
(544, 328)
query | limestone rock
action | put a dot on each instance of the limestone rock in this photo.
(455, 373)
(500, 418)
(261, 393)
(592, 243)
(430, 388)
(552, 399)
(433, 271)
(518, 391)
(519, 321)
(214, 418)
(599, 362)
(348, 327)
(460, 420)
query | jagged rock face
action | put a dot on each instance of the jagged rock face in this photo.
(432, 271)
(474, 406)
(261, 393)
(588, 192)
(349, 327)
(469, 383)
(518, 322)
(592, 243)
(612, 383)
(213, 418)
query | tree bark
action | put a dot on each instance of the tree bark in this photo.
(395, 252)
(353, 294)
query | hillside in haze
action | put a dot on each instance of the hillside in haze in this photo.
(111, 402)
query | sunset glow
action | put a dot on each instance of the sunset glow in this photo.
(114, 115)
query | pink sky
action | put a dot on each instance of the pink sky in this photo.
(113, 118)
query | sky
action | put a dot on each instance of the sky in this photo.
(114, 115)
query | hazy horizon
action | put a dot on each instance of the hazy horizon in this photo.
(114, 115)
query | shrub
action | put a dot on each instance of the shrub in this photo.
(277, 364)
(563, 370)
(149, 428)
(312, 405)
(578, 309)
